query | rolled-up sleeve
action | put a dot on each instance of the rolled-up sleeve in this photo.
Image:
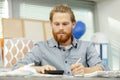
(93, 57)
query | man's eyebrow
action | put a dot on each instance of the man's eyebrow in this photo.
(65, 22)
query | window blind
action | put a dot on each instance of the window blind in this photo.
(2, 8)
(2, 13)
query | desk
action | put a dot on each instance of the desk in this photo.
(51, 78)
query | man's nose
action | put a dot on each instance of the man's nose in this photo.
(61, 27)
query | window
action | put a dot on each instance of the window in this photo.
(40, 9)
(36, 10)
(3, 12)
(86, 16)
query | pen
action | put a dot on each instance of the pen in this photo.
(28, 65)
(78, 60)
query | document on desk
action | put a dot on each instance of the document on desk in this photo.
(26, 71)
(30, 72)
(107, 74)
(19, 72)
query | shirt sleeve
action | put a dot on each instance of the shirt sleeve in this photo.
(34, 56)
(93, 58)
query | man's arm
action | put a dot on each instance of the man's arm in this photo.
(34, 56)
(93, 69)
(80, 69)
(93, 58)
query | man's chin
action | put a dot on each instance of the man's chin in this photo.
(61, 40)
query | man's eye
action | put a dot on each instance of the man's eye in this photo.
(56, 24)
(65, 23)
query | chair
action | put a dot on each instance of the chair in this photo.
(15, 49)
(79, 29)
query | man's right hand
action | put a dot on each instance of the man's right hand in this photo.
(41, 69)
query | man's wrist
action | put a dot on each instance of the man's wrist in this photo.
(37, 68)
(93, 69)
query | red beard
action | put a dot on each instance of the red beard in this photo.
(61, 36)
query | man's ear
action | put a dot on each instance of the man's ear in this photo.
(73, 24)
(50, 23)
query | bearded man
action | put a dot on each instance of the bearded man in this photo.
(62, 51)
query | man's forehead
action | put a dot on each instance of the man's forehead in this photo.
(61, 17)
(59, 14)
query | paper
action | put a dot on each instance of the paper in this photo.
(103, 74)
(23, 71)
(26, 71)
(31, 72)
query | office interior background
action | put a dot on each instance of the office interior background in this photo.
(98, 15)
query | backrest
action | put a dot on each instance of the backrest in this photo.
(79, 29)
(15, 49)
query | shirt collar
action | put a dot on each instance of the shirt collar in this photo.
(75, 42)
(53, 43)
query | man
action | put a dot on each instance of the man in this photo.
(63, 51)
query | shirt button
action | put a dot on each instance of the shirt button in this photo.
(68, 72)
(65, 61)
(63, 49)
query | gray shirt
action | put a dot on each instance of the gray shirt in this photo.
(50, 53)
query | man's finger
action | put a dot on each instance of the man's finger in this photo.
(51, 68)
(73, 66)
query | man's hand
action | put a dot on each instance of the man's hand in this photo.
(41, 69)
(77, 68)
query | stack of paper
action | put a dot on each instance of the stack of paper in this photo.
(102, 74)
(25, 72)
(28, 71)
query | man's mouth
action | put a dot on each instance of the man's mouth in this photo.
(61, 34)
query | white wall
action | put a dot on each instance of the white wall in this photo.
(108, 14)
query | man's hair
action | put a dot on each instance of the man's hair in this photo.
(63, 8)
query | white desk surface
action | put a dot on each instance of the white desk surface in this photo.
(53, 78)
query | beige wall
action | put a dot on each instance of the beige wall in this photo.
(27, 28)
